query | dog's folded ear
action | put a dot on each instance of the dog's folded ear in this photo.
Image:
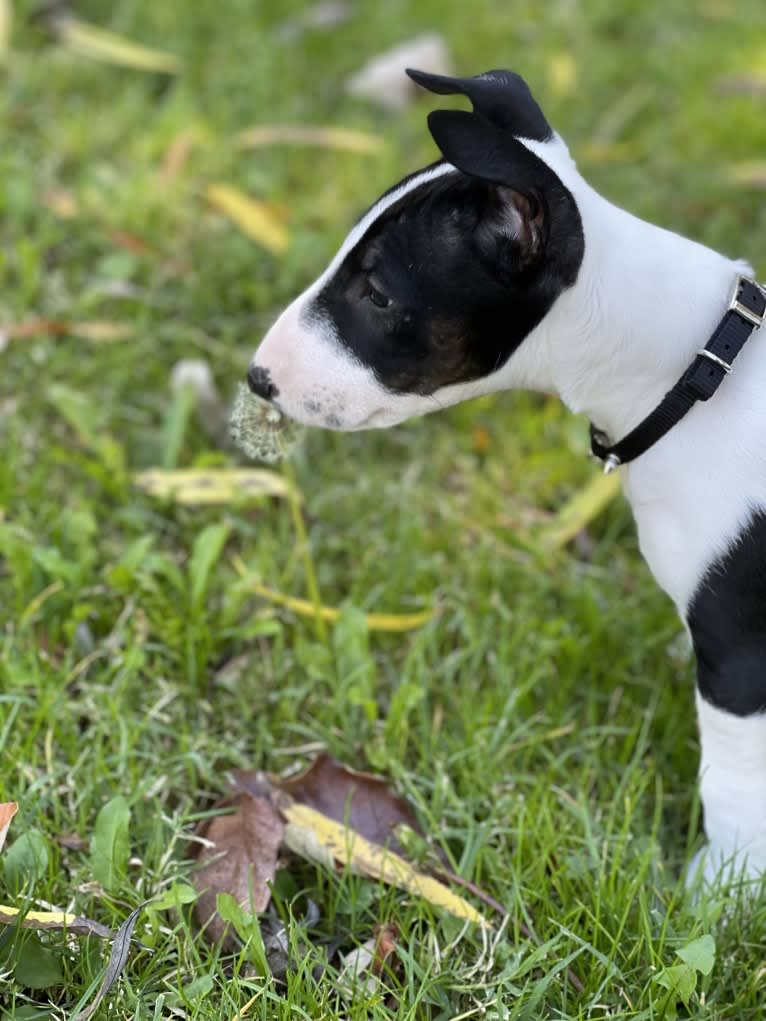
(503, 97)
(518, 178)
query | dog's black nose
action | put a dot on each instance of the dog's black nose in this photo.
(259, 381)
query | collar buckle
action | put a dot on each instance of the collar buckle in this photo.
(750, 315)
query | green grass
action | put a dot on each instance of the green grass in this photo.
(114, 681)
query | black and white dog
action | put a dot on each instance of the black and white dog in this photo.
(500, 267)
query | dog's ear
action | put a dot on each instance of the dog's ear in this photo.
(478, 149)
(503, 97)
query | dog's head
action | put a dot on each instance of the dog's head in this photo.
(441, 281)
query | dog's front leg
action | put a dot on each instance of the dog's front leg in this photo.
(727, 622)
(733, 790)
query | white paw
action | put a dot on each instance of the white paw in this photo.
(716, 866)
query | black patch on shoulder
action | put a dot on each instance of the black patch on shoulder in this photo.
(727, 619)
(433, 295)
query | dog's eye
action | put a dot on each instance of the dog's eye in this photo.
(378, 299)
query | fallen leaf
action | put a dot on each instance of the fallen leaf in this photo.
(62, 203)
(54, 920)
(386, 935)
(101, 331)
(116, 964)
(130, 242)
(72, 842)
(239, 857)
(98, 44)
(239, 850)
(309, 134)
(481, 440)
(372, 860)
(370, 957)
(577, 513)
(201, 487)
(361, 801)
(6, 23)
(94, 330)
(751, 174)
(747, 83)
(562, 74)
(7, 811)
(253, 217)
(305, 608)
(356, 973)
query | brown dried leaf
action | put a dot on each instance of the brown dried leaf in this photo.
(386, 935)
(361, 801)
(242, 860)
(72, 842)
(96, 330)
(7, 811)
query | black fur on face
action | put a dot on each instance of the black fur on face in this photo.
(449, 280)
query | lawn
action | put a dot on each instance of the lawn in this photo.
(541, 723)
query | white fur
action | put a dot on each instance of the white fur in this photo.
(733, 786)
(645, 301)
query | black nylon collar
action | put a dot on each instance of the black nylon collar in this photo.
(746, 312)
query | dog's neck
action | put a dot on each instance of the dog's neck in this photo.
(645, 301)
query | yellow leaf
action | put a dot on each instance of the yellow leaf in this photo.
(253, 217)
(201, 487)
(7, 811)
(304, 608)
(562, 74)
(751, 174)
(309, 134)
(577, 513)
(6, 21)
(98, 44)
(351, 848)
(54, 920)
(101, 331)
